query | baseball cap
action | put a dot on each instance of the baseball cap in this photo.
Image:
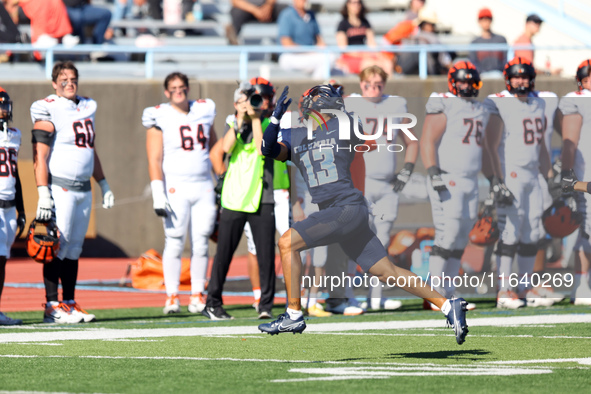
(534, 18)
(484, 13)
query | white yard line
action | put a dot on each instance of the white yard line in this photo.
(108, 333)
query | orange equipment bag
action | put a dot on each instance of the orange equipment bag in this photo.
(147, 273)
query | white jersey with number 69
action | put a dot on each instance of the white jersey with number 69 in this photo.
(524, 126)
(185, 139)
(10, 144)
(460, 148)
(72, 155)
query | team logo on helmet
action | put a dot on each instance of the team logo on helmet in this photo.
(583, 71)
(485, 231)
(519, 67)
(320, 97)
(464, 72)
(43, 248)
(560, 219)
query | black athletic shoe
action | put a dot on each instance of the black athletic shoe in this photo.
(217, 313)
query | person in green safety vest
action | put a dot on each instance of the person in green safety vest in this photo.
(246, 196)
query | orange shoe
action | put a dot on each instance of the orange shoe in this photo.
(197, 304)
(76, 310)
(172, 305)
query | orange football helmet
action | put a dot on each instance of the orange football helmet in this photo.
(516, 67)
(464, 71)
(485, 231)
(43, 248)
(560, 219)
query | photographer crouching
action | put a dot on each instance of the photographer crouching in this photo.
(247, 196)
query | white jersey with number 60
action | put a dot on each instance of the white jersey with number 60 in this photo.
(9, 147)
(185, 139)
(460, 148)
(72, 155)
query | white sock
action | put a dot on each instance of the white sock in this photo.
(436, 264)
(526, 268)
(581, 284)
(171, 268)
(256, 293)
(198, 273)
(504, 271)
(294, 314)
(452, 269)
(312, 299)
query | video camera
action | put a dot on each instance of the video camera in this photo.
(255, 99)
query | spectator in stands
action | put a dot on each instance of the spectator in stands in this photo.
(244, 11)
(82, 13)
(298, 26)
(49, 22)
(489, 63)
(354, 29)
(126, 9)
(413, 9)
(532, 27)
(420, 31)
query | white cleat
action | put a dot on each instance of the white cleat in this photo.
(384, 303)
(197, 304)
(535, 299)
(549, 293)
(173, 305)
(60, 313)
(582, 301)
(509, 300)
(76, 310)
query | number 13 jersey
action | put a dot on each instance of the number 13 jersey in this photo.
(185, 139)
(72, 155)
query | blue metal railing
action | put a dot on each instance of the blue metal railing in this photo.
(246, 50)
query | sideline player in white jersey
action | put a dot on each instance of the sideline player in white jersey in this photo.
(65, 159)
(451, 150)
(179, 137)
(382, 183)
(576, 164)
(11, 195)
(553, 118)
(516, 150)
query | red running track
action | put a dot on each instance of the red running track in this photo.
(25, 270)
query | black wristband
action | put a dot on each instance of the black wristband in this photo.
(490, 179)
(409, 167)
(434, 170)
(589, 187)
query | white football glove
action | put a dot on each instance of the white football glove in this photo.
(161, 205)
(44, 205)
(108, 196)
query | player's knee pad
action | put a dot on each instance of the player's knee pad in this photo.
(527, 250)
(441, 252)
(173, 247)
(506, 250)
(457, 253)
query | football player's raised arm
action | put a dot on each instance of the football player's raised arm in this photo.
(43, 133)
(229, 140)
(571, 133)
(154, 146)
(491, 164)
(433, 130)
(412, 146)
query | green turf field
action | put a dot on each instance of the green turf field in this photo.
(140, 350)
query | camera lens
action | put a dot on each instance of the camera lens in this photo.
(256, 101)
